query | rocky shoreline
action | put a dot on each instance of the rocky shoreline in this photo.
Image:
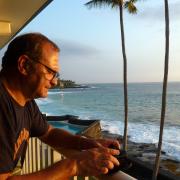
(146, 153)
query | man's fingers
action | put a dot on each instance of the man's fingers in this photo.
(108, 164)
(108, 150)
(110, 160)
(113, 151)
(115, 161)
(116, 144)
(104, 170)
(97, 160)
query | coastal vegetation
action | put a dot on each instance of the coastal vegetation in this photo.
(61, 84)
(64, 84)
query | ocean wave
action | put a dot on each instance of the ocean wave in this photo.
(93, 87)
(43, 101)
(47, 114)
(171, 149)
(148, 133)
(62, 92)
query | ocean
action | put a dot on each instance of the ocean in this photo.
(106, 103)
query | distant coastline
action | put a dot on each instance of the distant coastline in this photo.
(62, 84)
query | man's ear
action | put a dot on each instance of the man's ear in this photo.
(23, 65)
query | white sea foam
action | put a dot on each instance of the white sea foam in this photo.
(47, 114)
(93, 87)
(74, 91)
(171, 149)
(59, 92)
(148, 133)
(42, 101)
(55, 92)
(117, 128)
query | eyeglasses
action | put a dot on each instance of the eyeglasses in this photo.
(51, 73)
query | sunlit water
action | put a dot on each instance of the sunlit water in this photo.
(105, 102)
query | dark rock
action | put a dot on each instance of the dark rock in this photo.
(145, 154)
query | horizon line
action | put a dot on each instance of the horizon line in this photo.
(127, 83)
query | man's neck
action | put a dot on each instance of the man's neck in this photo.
(12, 85)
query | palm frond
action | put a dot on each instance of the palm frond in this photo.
(134, 1)
(103, 3)
(130, 6)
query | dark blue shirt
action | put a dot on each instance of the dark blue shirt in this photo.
(17, 125)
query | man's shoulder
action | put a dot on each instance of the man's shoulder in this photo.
(2, 90)
(32, 106)
(32, 103)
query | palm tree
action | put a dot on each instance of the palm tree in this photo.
(163, 108)
(129, 5)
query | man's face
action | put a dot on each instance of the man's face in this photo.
(43, 77)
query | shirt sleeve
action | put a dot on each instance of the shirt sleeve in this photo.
(39, 124)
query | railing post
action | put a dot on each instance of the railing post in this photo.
(40, 156)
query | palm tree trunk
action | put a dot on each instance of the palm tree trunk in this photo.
(163, 109)
(124, 78)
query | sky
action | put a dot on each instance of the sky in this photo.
(90, 41)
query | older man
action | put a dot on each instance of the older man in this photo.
(29, 68)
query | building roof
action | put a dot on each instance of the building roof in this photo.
(18, 13)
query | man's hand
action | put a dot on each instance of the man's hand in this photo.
(95, 161)
(87, 143)
(108, 143)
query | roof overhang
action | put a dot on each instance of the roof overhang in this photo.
(16, 14)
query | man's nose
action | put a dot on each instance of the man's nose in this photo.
(54, 81)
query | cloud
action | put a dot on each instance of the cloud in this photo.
(155, 11)
(175, 10)
(2, 51)
(71, 50)
(76, 49)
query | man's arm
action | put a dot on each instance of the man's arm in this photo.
(92, 161)
(63, 169)
(61, 139)
(4, 176)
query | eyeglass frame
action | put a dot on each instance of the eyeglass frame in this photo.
(54, 73)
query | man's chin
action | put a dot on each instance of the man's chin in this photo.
(45, 95)
(42, 95)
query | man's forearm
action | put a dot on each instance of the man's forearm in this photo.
(63, 169)
(58, 138)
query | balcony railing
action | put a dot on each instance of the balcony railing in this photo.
(40, 156)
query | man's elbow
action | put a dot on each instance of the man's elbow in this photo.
(5, 176)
